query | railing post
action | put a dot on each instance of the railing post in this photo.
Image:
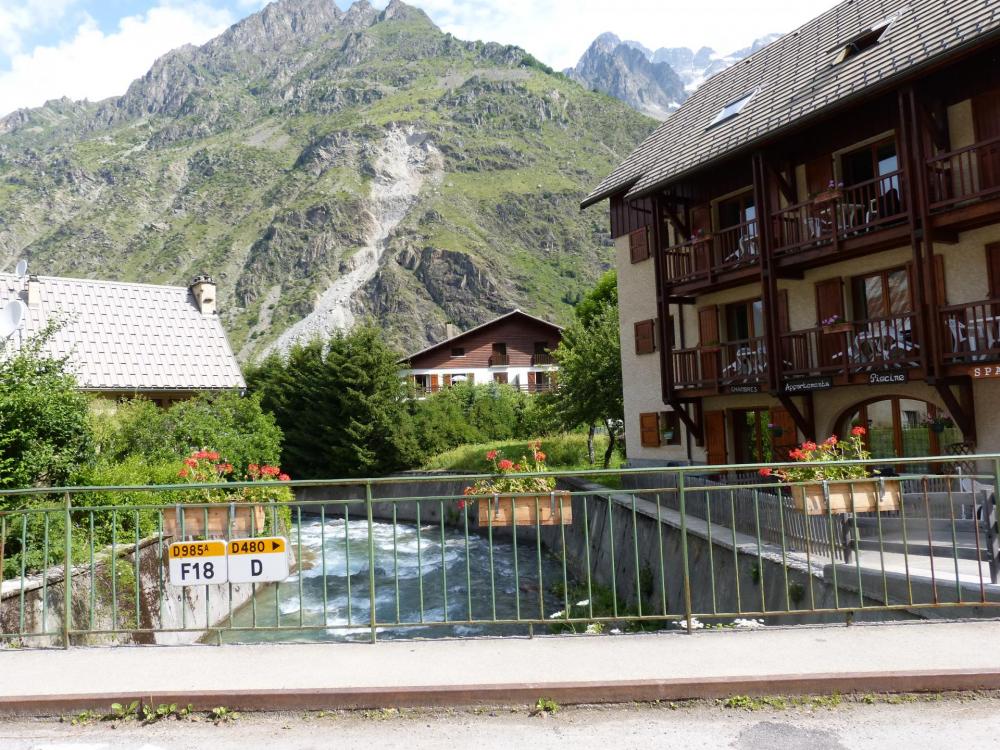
(684, 553)
(371, 559)
(67, 572)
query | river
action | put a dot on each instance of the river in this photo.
(450, 583)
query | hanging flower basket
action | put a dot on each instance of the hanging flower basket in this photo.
(553, 509)
(848, 497)
(506, 499)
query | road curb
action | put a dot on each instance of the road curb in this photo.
(567, 693)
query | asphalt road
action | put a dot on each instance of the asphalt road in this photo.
(965, 721)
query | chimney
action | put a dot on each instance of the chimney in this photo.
(34, 291)
(450, 331)
(203, 289)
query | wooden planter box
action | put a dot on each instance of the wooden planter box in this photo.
(839, 328)
(868, 497)
(246, 519)
(508, 511)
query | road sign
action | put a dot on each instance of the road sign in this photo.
(262, 560)
(198, 563)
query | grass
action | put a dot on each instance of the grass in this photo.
(567, 452)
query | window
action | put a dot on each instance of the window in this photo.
(638, 245)
(458, 351)
(752, 439)
(645, 337)
(499, 377)
(744, 320)
(734, 108)
(882, 294)
(864, 41)
(736, 211)
(670, 428)
(875, 168)
(898, 427)
(499, 356)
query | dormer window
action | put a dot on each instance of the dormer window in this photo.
(733, 108)
(865, 40)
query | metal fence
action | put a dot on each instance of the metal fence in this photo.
(682, 546)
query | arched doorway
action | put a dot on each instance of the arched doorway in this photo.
(901, 427)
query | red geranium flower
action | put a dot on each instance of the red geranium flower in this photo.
(809, 445)
(795, 454)
(506, 465)
(183, 473)
(832, 440)
(858, 431)
(765, 472)
(283, 478)
(539, 456)
(490, 455)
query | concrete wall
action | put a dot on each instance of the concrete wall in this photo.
(160, 606)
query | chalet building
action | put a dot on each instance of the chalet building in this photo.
(124, 340)
(812, 242)
(514, 349)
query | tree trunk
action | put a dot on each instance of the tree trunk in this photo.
(590, 443)
(611, 444)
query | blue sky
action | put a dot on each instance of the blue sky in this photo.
(93, 48)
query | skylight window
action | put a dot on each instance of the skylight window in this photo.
(733, 108)
(865, 40)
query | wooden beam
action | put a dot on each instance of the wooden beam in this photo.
(964, 417)
(679, 226)
(806, 425)
(693, 425)
(786, 189)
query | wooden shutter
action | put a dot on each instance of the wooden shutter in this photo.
(708, 335)
(638, 245)
(714, 427)
(434, 383)
(830, 303)
(532, 379)
(986, 123)
(819, 173)
(649, 430)
(446, 379)
(789, 437)
(701, 219)
(993, 267)
(645, 341)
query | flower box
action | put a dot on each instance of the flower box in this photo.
(839, 328)
(868, 497)
(527, 510)
(247, 519)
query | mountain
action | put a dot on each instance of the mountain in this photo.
(326, 167)
(626, 71)
(654, 82)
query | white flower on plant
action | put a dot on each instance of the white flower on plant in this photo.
(584, 603)
(557, 615)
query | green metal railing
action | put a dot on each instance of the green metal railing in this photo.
(679, 547)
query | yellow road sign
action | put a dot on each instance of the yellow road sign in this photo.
(267, 545)
(213, 548)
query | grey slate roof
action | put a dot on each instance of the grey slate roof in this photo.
(130, 337)
(797, 81)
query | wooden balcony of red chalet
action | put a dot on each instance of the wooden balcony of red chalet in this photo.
(964, 186)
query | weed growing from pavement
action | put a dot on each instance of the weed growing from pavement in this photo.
(145, 713)
(545, 706)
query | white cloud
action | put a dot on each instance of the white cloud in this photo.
(558, 31)
(17, 18)
(94, 65)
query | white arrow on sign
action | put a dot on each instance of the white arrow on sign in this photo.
(261, 560)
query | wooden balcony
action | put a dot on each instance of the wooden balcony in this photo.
(704, 259)
(841, 217)
(848, 349)
(499, 360)
(543, 358)
(965, 183)
(732, 366)
(970, 332)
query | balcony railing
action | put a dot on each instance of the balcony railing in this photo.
(971, 332)
(964, 175)
(728, 364)
(703, 258)
(542, 358)
(848, 348)
(841, 214)
(499, 360)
